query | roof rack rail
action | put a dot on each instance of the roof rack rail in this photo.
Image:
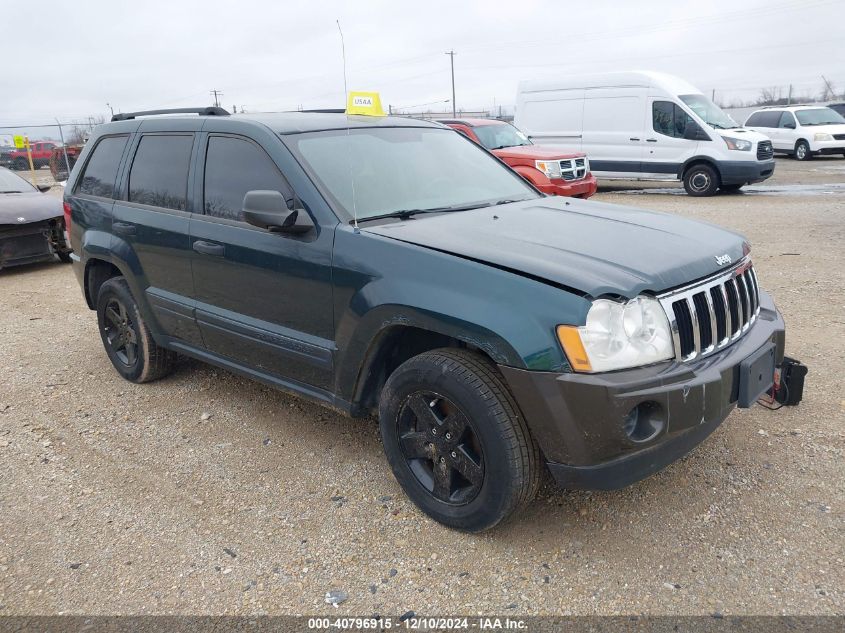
(325, 110)
(793, 105)
(208, 111)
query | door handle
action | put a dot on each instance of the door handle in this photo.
(209, 248)
(651, 140)
(123, 228)
(633, 138)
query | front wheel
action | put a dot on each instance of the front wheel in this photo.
(126, 337)
(802, 151)
(456, 441)
(701, 180)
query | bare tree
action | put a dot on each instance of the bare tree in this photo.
(80, 132)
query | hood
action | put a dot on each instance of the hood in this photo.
(31, 206)
(537, 152)
(743, 133)
(592, 247)
(831, 128)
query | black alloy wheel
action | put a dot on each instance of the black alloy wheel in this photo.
(441, 448)
(120, 333)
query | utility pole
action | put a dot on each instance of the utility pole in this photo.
(713, 95)
(217, 94)
(451, 55)
(829, 94)
(789, 96)
(110, 108)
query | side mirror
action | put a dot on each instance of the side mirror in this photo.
(791, 126)
(269, 210)
(44, 188)
(693, 132)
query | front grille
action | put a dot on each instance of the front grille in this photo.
(711, 315)
(764, 150)
(839, 137)
(573, 168)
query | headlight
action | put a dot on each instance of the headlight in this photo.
(549, 167)
(821, 136)
(739, 144)
(618, 336)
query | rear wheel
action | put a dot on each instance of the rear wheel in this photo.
(701, 180)
(126, 337)
(455, 439)
(20, 164)
(802, 151)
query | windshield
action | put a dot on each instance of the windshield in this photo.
(709, 112)
(497, 136)
(378, 171)
(12, 183)
(819, 116)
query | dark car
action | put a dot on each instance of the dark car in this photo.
(6, 155)
(391, 265)
(31, 223)
(837, 107)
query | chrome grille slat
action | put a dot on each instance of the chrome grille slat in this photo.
(696, 331)
(713, 326)
(728, 322)
(737, 291)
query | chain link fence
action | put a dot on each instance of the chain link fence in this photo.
(51, 153)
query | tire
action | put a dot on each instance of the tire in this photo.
(731, 188)
(126, 337)
(701, 180)
(20, 165)
(802, 151)
(456, 441)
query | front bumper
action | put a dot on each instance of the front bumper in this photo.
(577, 419)
(827, 147)
(740, 172)
(25, 244)
(583, 188)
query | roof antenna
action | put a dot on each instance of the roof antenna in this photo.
(348, 143)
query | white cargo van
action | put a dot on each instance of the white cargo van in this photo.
(645, 126)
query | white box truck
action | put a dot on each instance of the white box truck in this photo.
(645, 126)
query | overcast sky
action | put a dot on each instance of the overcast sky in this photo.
(68, 59)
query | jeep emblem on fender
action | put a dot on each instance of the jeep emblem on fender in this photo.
(723, 259)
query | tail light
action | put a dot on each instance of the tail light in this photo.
(66, 207)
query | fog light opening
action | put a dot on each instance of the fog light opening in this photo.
(644, 422)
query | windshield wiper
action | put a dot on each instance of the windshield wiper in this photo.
(509, 145)
(404, 214)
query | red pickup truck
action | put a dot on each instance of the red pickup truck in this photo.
(551, 170)
(41, 152)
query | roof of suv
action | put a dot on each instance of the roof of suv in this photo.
(298, 122)
(471, 122)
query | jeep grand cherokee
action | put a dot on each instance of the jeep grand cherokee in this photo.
(391, 265)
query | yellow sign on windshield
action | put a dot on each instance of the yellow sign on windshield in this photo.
(366, 103)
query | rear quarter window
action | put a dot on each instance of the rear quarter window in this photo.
(100, 172)
(770, 118)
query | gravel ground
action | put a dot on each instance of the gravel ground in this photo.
(208, 493)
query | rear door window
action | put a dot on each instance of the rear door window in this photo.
(159, 174)
(101, 170)
(234, 166)
(787, 120)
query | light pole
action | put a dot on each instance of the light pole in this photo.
(451, 55)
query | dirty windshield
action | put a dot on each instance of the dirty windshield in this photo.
(372, 172)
